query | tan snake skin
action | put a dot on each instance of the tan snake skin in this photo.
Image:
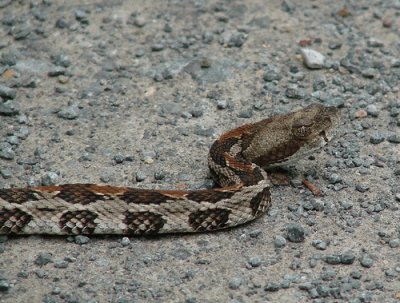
(235, 160)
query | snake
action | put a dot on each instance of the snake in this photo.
(237, 160)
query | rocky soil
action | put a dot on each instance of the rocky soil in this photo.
(133, 93)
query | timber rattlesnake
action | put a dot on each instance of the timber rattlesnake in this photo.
(235, 160)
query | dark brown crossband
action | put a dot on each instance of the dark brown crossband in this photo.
(210, 219)
(144, 222)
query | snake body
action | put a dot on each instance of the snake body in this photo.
(236, 161)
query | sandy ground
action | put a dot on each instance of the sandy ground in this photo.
(133, 93)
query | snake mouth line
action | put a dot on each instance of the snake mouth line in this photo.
(323, 135)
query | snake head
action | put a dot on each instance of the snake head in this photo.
(284, 139)
(315, 122)
(314, 126)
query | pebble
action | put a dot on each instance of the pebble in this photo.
(6, 173)
(139, 21)
(271, 286)
(279, 241)
(125, 241)
(4, 285)
(372, 110)
(56, 290)
(372, 42)
(81, 16)
(56, 71)
(319, 244)
(247, 113)
(369, 73)
(148, 160)
(21, 31)
(140, 176)
(312, 58)
(362, 187)
(61, 264)
(319, 82)
(222, 104)
(293, 92)
(119, 158)
(159, 175)
(366, 261)
(334, 178)
(295, 232)
(43, 258)
(255, 233)
(50, 178)
(62, 23)
(394, 138)
(394, 243)
(9, 108)
(346, 204)
(69, 112)
(235, 283)
(347, 258)
(6, 151)
(7, 92)
(333, 259)
(157, 47)
(360, 114)
(81, 239)
(377, 138)
(254, 261)
(62, 60)
(234, 39)
(272, 75)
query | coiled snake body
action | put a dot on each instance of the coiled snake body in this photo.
(235, 160)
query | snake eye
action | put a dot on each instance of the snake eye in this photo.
(301, 131)
(302, 127)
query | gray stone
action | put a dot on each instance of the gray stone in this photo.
(377, 138)
(347, 258)
(271, 286)
(271, 75)
(6, 151)
(140, 176)
(373, 42)
(394, 243)
(293, 92)
(362, 188)
(279, 241)
(372, 110)
(394, 138)
(332, 259)
(61, 264)
(222, 104)
(312, 58)
(43, 258)
(81, 239)
(50, 178)
(366, 261)
(255, 261)
(69, 112)
(7, 92)
(9, 108)
(320, 244)
(295, 232)
(119, 158)
(4, 285)
(235, 283)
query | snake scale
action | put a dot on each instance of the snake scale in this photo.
(236, 161)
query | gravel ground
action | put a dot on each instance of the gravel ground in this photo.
(134, 92)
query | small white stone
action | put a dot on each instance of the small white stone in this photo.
(312, 58)
(148, 160)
